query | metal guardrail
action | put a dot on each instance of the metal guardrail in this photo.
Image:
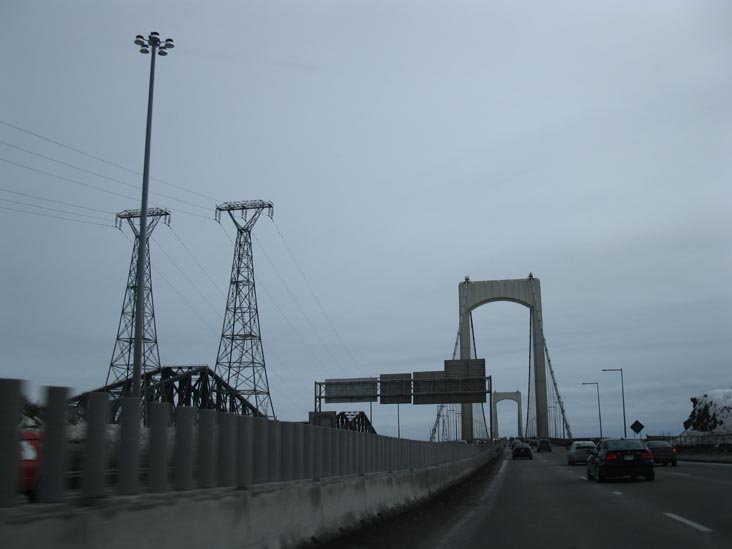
(208, 449)
(697, 441)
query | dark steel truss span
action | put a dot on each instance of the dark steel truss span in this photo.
(354, 421)
(195, 386)
(240, 359)
(121, 364)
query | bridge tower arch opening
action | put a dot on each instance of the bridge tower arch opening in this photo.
(497, 397)
(526, 292)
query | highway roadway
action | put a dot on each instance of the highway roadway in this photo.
(545, 503)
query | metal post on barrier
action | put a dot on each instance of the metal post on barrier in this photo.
(298, 451)
(360, 453)
(288, 451)
(95, 452)
(10, 413)
(52, 482)
(207, 448)
(336, 453)
(261, 450)
(317, 441)
(129, 447)
(227, 448)
(244, 450)
(157, 472)
(185, 422)
(307, 451)
(275, 451)
(328, 452)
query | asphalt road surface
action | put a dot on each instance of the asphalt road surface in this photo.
(545, 503)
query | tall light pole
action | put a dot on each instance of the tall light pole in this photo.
(622, 390)
(153, 45)
(599, 412)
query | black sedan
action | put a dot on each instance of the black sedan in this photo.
(521, 450)
(620, 458)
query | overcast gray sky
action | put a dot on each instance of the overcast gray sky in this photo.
(404, 145)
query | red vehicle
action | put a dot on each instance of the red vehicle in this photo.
(29, 460)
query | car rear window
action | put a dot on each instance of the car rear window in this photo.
(658, 444)
(585, 445)
(624, 445)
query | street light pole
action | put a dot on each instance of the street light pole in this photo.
(599, 411)
(154, 46)
(622, 391)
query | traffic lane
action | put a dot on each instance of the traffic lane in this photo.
(715, 473)
(683, 492)
(682, 496)
(545, 503)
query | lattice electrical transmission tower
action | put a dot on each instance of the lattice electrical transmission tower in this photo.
(240, 360)
(120, 367)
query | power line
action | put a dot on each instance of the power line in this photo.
(282, 313)
(56, 201)
(205, 272)
(315, 297)
(55, 217)
(52, 209)
(96, 174)
(100, 159)
(185, 276)
(297, 303)
(62, 178)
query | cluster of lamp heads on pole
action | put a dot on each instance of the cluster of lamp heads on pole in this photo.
(153, 42)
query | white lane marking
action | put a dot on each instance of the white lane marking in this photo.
(618, 493)
(689, 522)
(583, 478)
(680, 475)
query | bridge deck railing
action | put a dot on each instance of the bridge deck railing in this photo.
(186, 448)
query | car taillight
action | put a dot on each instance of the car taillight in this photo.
(646, 455)
(674, 450)
(610, 457)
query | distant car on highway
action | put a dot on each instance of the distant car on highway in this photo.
(521, 450)
(578, 451)
(533, 442)
(544, 445)
(620, 458)
(662, 452)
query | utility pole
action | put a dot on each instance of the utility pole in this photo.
(622, 391)
(154, 46)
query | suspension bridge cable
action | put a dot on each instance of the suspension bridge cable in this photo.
(105, 161)
(312, 292)
(51, 216)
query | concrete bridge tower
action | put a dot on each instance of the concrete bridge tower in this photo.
(526, 292)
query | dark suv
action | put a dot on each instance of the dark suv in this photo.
(544, 446)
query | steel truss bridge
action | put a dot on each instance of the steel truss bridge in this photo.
(196, 386)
